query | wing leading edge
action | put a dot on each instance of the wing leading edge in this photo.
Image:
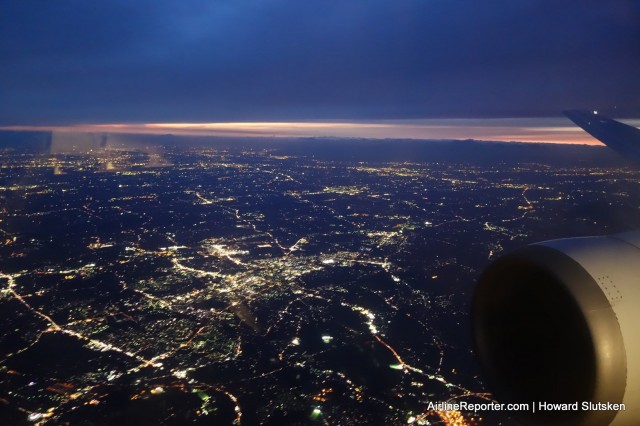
(620, 137)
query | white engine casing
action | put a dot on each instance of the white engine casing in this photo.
(559, 321)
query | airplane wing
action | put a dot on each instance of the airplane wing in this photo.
(620, 137)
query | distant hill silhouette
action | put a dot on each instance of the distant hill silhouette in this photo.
(370, 150)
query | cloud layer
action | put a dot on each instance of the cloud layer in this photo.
(248, 60)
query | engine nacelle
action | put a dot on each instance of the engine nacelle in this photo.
(559, 322)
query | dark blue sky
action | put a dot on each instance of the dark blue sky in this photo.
(71, 61)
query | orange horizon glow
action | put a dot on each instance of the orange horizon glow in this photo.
(504, 130)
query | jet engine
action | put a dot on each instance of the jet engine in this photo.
(558, 322)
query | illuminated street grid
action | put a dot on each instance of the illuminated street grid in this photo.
(255, 287)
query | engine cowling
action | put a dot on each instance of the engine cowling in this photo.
(559, 322)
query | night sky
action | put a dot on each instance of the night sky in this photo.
(78, 62)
